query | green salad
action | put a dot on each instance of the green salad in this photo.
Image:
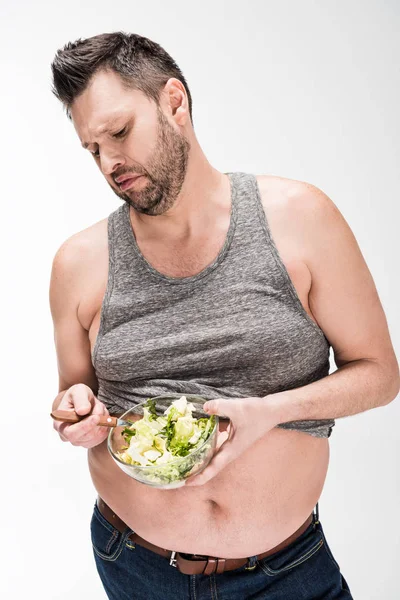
(168, 441)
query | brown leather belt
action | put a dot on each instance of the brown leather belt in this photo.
(195, 564)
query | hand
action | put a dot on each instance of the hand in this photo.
(86, 433)
(249, 422)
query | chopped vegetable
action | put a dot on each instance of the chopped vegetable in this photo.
(162, 440)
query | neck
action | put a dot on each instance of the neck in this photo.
(204, 195)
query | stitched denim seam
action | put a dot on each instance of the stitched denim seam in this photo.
(113, 557)
(268, 571)
(214, 583)
(211, 588)
(193, 577)
(331, 557)
(111, 541)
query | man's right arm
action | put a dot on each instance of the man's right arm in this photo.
(78, 383)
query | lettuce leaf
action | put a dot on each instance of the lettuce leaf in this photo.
(158, 440)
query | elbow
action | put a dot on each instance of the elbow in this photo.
(387, 378)
(393, 385)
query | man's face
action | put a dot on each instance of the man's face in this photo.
(140, 141)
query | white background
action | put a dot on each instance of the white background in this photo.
(306, 90)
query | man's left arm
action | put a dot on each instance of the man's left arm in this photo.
(345, 303)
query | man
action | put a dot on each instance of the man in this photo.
(227, 285)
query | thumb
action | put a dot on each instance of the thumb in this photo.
(83, 400)
(220, 407)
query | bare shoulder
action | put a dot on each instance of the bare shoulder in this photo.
(298, 212)
(282, 198)
(81, 247)
(79, 267)
(282, 193)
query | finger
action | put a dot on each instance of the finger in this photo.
(59, 427)
(76, 431)
(62, 428)
(83, 404)
(97, 433)
(56, 426)
(78, 397)
(222, 437)
(99, 409)
(220, 406)
(218, 462)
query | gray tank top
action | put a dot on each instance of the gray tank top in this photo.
(236, 329)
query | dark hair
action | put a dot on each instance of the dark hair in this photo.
(141, 63)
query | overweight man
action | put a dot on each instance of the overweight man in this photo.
(231, 286)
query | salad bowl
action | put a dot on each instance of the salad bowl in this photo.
(170, 439)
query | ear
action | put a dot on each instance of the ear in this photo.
(177, 101)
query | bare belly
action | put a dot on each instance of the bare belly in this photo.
(251, 506)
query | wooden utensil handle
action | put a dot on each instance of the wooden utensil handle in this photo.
(70, 416)
(108, 421)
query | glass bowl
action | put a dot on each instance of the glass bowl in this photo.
(172, 474)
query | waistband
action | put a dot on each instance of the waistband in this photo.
(196, 564)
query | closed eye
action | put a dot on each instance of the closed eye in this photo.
(120, 133)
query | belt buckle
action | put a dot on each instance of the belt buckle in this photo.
(172, 560)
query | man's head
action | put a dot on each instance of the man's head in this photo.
(128, 85)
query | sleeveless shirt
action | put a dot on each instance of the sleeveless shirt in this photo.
(236, 329)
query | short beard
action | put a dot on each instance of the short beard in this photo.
(168, 167)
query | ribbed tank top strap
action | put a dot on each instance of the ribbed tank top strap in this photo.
(249, 224)
(253, 247)
(121, 240)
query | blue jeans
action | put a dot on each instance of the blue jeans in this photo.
(304, 570)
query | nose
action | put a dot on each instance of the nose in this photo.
(110, 162)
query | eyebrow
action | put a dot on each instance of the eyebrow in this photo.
(107, 129)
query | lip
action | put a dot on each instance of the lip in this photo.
(124, 185)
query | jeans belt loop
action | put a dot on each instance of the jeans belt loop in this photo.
(316, 514)
(172, 560)
(251, 563)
